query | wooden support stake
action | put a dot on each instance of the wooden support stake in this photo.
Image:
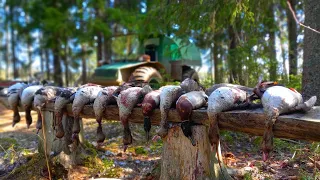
(68, 152)
(181, 160)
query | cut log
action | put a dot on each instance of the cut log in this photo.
(68, 152)
(181, 160)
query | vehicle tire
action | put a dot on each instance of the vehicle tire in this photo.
(146, 74)
(190, 73)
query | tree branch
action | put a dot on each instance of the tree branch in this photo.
(295, 17)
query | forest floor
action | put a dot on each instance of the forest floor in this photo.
(19, 157)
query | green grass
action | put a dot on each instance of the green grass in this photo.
(140, 150)
(6, 143)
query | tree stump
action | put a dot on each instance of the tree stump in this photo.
(68, 152)
(181, 160)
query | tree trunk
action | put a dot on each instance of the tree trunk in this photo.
(29, 44)
(282, 37)
(292, 37)
(13, 44)
(107, 49)
(47, 58)
(213, 64)
(41, 56)
(57, 76)
(7, 58)
(181, 160)
(84, 64)
(129, 48)
(272, 50)
(233, 77)
(66, 64)
(311, 55)
(99, 48)
(29, 57)
(217, 62)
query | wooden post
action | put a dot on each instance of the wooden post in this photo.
(67, 150)
(181, 160)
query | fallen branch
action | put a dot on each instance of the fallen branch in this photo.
(295, 17)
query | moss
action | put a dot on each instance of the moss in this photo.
(247, 176)
(156, 146)
(303, 175)
(32, 169)
(6, 143)
(103, 168)
(227, 136)
(140, 150)
(281, 145)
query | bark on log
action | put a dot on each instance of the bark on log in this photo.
(181, 160)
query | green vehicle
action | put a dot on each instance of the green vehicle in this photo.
(161, 54)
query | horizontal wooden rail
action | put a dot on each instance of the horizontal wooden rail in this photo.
(304, 126)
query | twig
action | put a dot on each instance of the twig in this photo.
(295, 18)
(316, 164)
(291, 141)
(45, 144)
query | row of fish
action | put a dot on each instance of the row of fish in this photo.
(186, 97)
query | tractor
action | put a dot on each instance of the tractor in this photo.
(159, 55)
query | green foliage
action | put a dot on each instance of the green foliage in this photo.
(167, 79)
(105, 168)
(156, 146)
(210, 24)
(248, 176)
(140, 150)
(7, 143)
(304, 175)
(227, 136)
(294, 82)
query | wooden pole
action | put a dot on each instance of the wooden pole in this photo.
(181, 160)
